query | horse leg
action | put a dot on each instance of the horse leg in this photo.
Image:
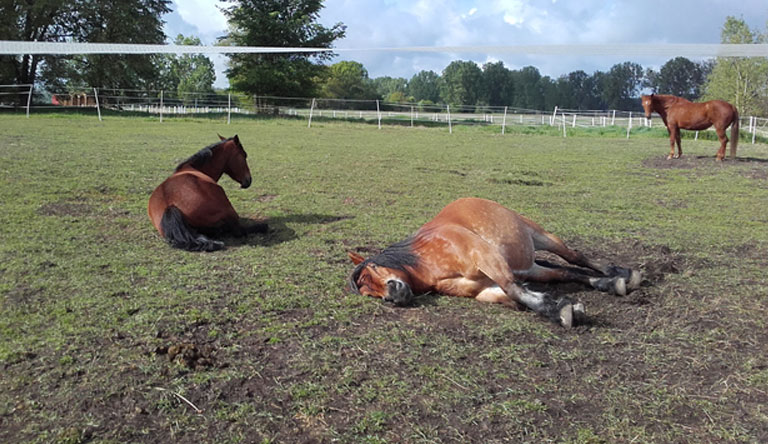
(723, 141)
(543, 240)
(616, 284)
(493, 265)
(674, 136)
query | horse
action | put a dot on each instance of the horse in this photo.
(477, 248)
(677, 113)
(190, 205)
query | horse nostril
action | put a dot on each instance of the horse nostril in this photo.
(246, 182)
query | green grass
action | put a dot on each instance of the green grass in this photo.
(91, 299)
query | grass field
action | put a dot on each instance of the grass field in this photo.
(110, 336)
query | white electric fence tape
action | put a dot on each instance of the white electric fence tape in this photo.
(640, 50)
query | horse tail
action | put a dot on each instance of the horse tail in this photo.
(734, 132)
(179, 235)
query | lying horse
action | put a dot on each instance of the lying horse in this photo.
(679, 113)
(479, 249)
(190, 204)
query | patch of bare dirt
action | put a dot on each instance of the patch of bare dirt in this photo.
(65, 208)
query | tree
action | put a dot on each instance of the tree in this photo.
(127, 21)
(498, 86)
(527, 88)
(278, 23)
(44, 20)
(387, 86)
(680, 77)
(348, 80)
(461, 83)
(424, 86)
(621, 85)
(739, 80)
(188, 73)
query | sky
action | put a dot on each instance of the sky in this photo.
(405, 23)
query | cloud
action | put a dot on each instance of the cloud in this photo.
(203, 15)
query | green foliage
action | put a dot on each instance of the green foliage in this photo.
(498, 86)
(425, 86)
(387, 86)
(279, 23)
(621, 84)
(739, 80)
(679, 77)
(188, 73)
(348, 80)
(131, 21)
(461, 83)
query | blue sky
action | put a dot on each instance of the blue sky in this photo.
(401, 23)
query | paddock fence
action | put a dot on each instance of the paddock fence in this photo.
(164, 104)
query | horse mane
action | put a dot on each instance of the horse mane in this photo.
(199, 158)
(396, 256)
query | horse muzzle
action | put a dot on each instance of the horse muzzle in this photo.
(246, 182)
(398, 293)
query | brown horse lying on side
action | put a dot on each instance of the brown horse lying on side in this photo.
(679, 113)
(190, 204)
(476, 248)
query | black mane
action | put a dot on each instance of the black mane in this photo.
(198, 159)
(396, 256)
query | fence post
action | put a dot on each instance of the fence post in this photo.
(696, 137)
(229, 107)
(552, 119)
(378, 112)
(29, 99)
(574, 121)
(753, 122)
(504, 121)
(311, 108)
(98, 109)
(629, 125)
(161, 106)
(450, 127)
(563, 116)
(613, 119)
(411, 116)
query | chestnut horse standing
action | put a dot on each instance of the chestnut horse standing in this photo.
(679, 113)
(190, 204)
(477, 248)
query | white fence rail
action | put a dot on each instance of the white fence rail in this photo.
(24, 98)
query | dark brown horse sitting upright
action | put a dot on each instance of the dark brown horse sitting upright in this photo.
(478, 249)
(190, 204)
(679, 113)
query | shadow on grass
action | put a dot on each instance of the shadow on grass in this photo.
(277, 230)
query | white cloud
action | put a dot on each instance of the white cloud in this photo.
(202, 14)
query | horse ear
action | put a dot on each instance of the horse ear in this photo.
(220, 136)
(236, 139)
(356, 258)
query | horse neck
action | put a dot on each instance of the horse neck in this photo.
(214, 167)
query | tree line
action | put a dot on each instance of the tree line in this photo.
(294, 23)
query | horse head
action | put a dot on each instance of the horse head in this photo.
(390, 283)
(647, 101)
(236, 165)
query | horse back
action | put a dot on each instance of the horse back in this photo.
(469, 221)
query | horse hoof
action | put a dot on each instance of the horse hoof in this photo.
(579, 313)
(620, 287)
(566, 316)
(635, 279)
